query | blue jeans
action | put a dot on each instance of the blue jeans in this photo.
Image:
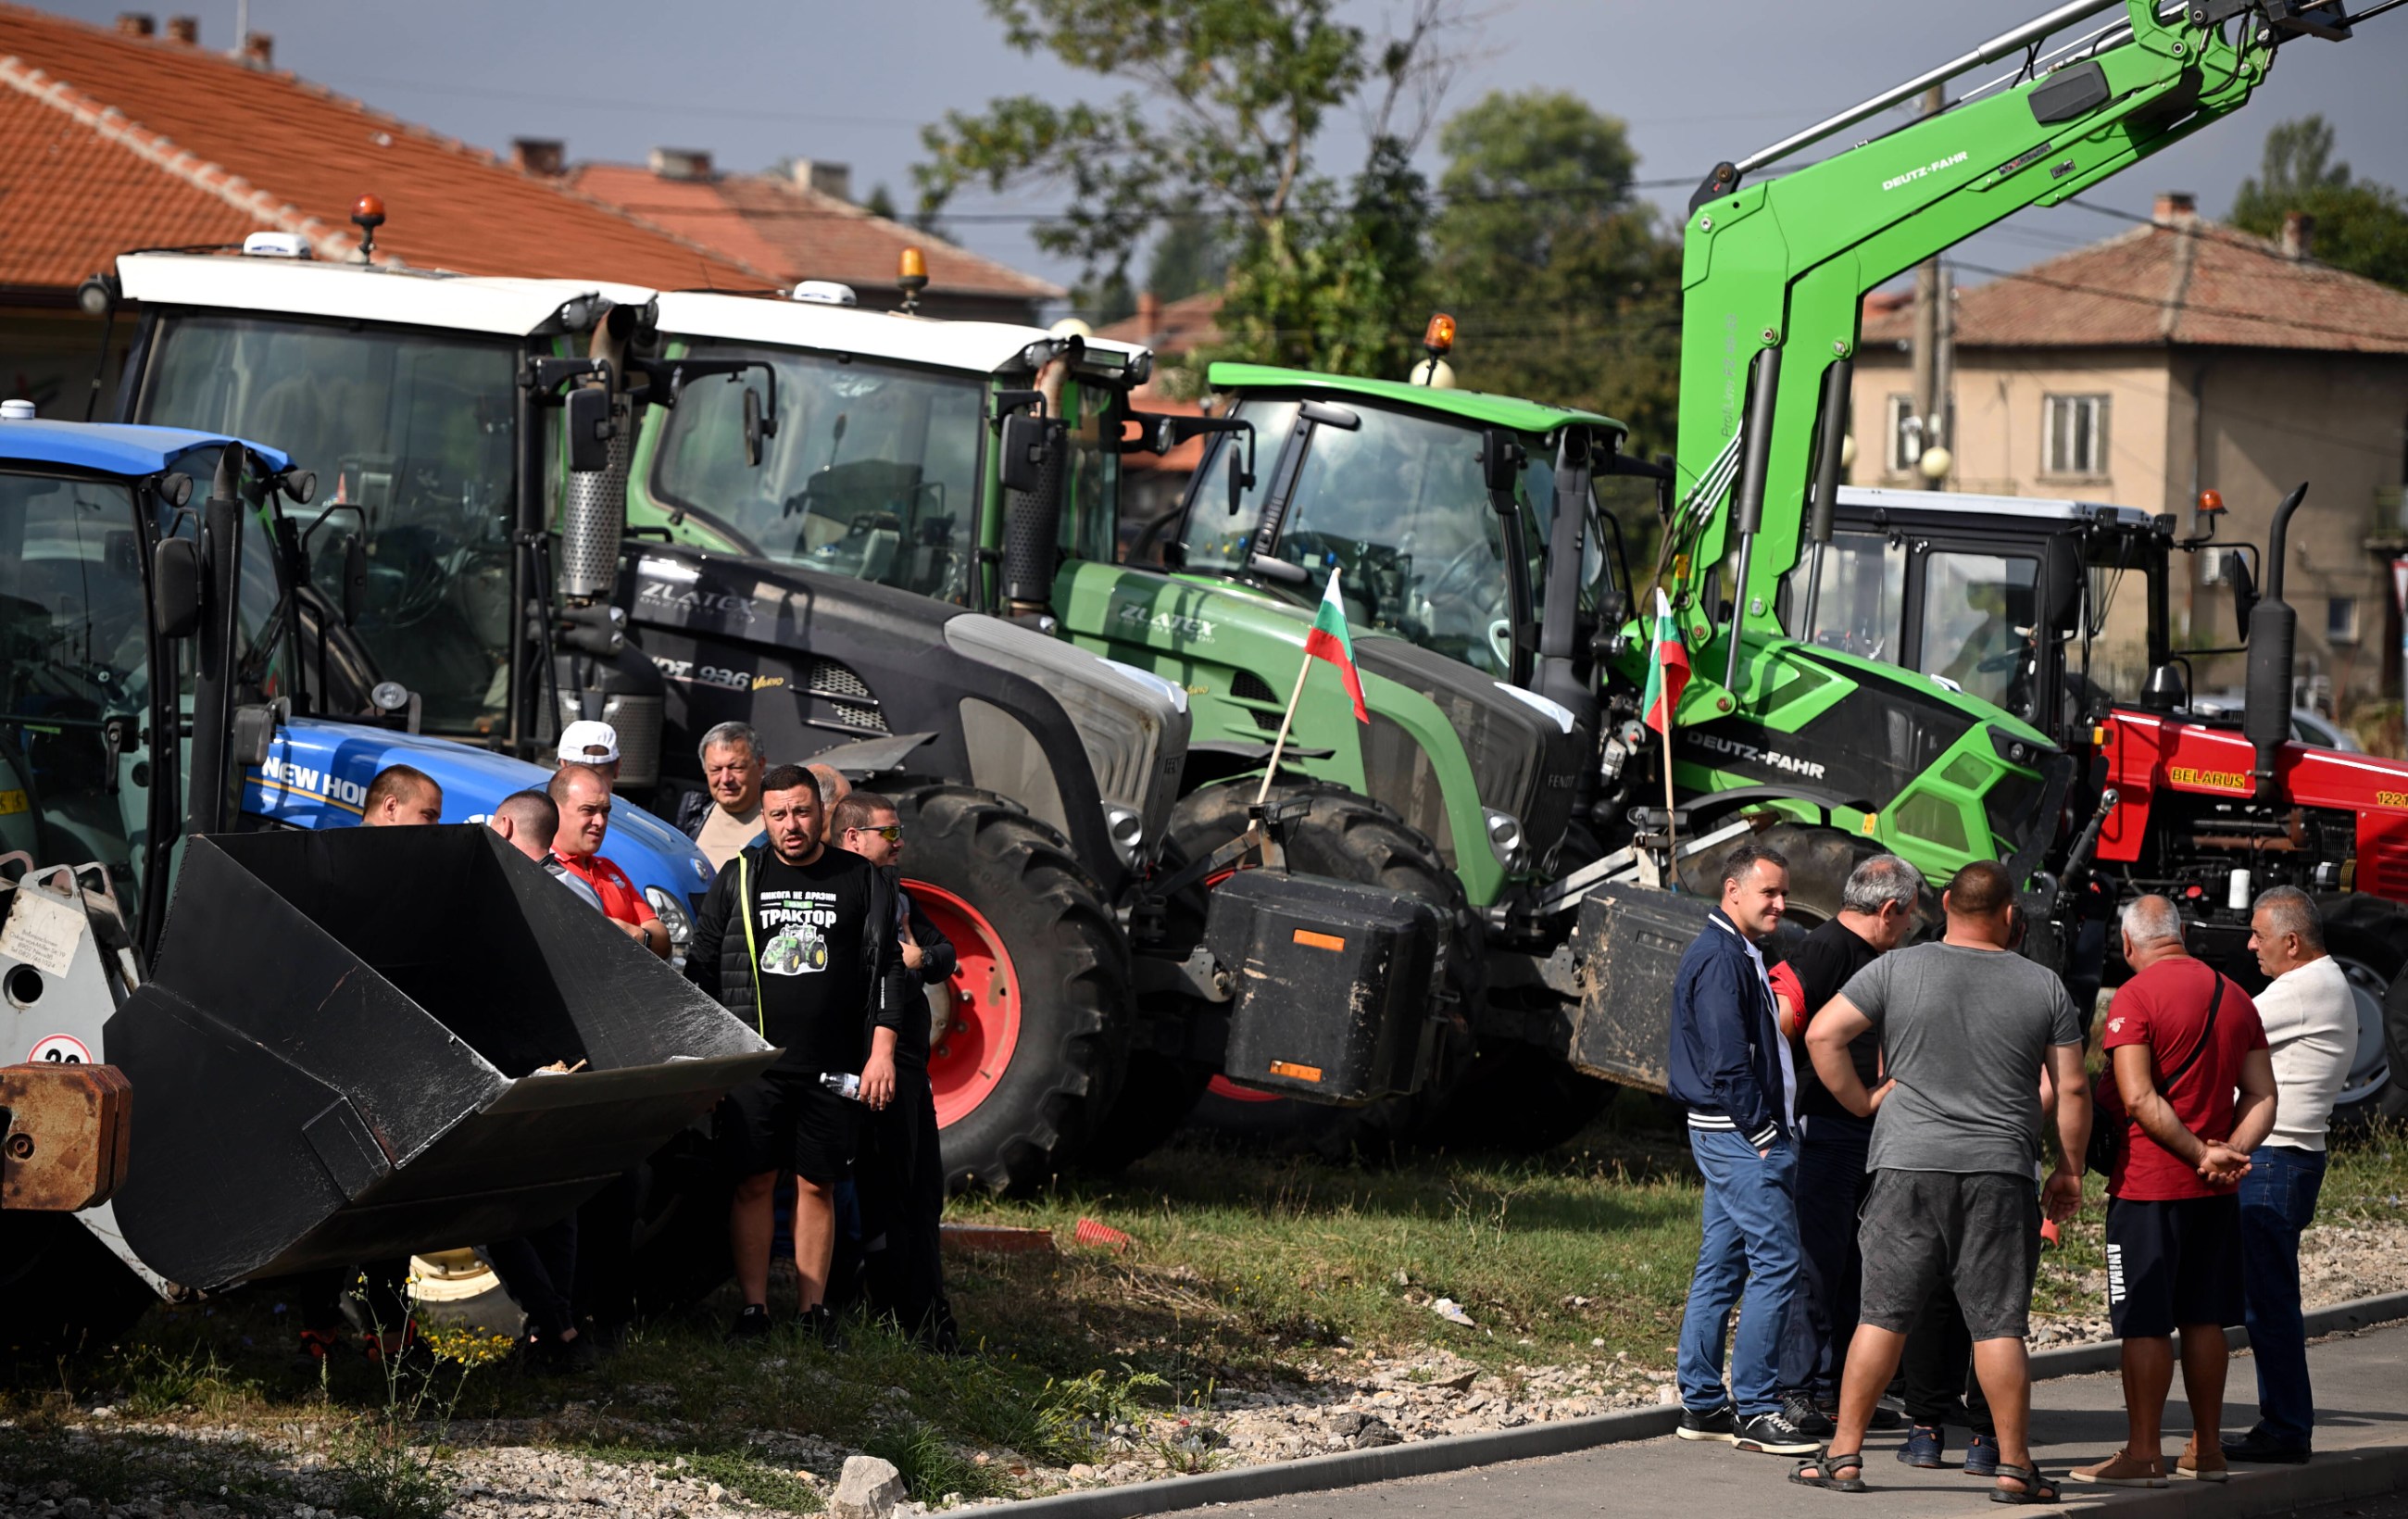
(2278, 1197)
(1831, 1187)
(1751, 1241)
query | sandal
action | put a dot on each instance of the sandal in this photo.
(1824, 1465)
(2036, 1489)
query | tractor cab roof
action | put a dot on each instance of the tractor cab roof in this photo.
(983, 347)
(105, 448)
(1472, 405)
(506, 306)
(2038, 509)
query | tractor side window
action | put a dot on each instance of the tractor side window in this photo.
(1400, 506)
(1863, 591)
(1978, 611)
(72, 654)
(873, 473)
(1215, 537)
(1091, 508)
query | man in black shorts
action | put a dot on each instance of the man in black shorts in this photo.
(1966, 1029)
(801, 938)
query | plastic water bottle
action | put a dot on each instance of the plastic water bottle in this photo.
(844, 1083)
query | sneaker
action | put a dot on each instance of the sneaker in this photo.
(751, 1323)
(2261, 1448)
(2194, 1467)
(1926, 1447)
(1981, 1455)
(316, 1345)
(820, 1320)
(1889, 1416)
(564, 1358)
(2123, 1469)
(1717, 1423)
(1772, 1434)
(1799, 1410)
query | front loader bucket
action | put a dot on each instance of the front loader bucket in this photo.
(339, 1055)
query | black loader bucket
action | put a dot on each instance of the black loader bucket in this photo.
(339, 1055)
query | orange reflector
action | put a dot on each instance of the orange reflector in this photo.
(1307, 937)
(1295, 1072)
(1439, 337)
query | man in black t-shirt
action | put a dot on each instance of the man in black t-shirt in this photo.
(801, 940)
(1877, 911)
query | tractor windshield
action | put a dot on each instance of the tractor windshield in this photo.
(416, 431)
(873, 472)
(1398, 505)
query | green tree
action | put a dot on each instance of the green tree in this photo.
(1229, 98)
(1564, 287)
(1190, 254)
(2359, 223)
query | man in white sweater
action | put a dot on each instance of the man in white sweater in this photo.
(2311, 1022)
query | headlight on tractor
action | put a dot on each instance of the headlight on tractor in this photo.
(675, 918)
(1505, 838)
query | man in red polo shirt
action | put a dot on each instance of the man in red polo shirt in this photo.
(582, 794)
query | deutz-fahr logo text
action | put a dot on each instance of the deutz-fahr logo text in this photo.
(1175, 623)
(662, 594)
(1933, 168)
(1747, 753)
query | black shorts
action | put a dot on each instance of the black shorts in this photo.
(2173, 1262)
(783, 1121)
(1978, 1232)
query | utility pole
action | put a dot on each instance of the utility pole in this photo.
(1930, 389)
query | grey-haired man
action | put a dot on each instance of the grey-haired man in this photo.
(732, 768)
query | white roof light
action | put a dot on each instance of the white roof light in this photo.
(826, 293)
(15, 410)
(276, 245)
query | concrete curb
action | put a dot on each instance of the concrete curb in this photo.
(2254, 1492)
(1455, 1452)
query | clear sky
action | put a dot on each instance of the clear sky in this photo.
(755, 81)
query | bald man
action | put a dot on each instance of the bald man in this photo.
(834, 788)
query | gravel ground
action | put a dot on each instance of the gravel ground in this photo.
(1353, 1399)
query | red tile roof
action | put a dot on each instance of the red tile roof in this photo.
(124, 142)
(798, 233)
(2190, 283)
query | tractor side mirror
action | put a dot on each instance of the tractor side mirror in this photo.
(589, 429)
(1613, 607)
(175, 587)
(1501, 457)
(2244, 591)
(1028, 440)
(354, 589)
(753, 432)
(2060, 570)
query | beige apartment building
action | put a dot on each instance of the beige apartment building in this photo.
(2181, 356)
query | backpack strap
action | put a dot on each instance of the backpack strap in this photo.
(2214, 1000)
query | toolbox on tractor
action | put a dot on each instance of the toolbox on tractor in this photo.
(1301, 946)
(392, 1070)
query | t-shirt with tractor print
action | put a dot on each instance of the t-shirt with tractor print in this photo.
(814, 998)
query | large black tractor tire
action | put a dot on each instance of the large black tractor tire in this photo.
(1351, 837)
(1037, 1040)
(62, 1293)
(1159, 1089)
(2368, 937)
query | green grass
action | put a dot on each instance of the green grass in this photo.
(1243, 1271)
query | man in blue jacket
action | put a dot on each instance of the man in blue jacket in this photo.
(1732, 1068)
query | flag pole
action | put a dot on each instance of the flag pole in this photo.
(1279, 744)
(1671, 841)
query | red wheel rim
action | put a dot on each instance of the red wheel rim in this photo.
(967, 1059)
(1221, 1086)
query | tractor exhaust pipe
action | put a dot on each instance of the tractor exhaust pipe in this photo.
(2273, 628)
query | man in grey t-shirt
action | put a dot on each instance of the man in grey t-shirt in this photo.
(1967, 1031)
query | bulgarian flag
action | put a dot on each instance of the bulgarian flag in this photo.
(1328, 640)
(1668, 670)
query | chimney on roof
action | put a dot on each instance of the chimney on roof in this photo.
(1149, 316)
(827, 178)
(136, 23)
(545, 157)
(2299, 235)
(680, 163)
(2176, 209)
(184, 29)
(259, 50)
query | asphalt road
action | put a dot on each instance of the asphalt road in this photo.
(2361, 1392)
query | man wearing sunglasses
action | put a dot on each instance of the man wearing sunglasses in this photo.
(902, 1180)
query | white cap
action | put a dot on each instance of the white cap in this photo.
(582, 740)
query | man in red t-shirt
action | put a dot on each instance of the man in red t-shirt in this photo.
(2193, 1093)
(582, 794)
